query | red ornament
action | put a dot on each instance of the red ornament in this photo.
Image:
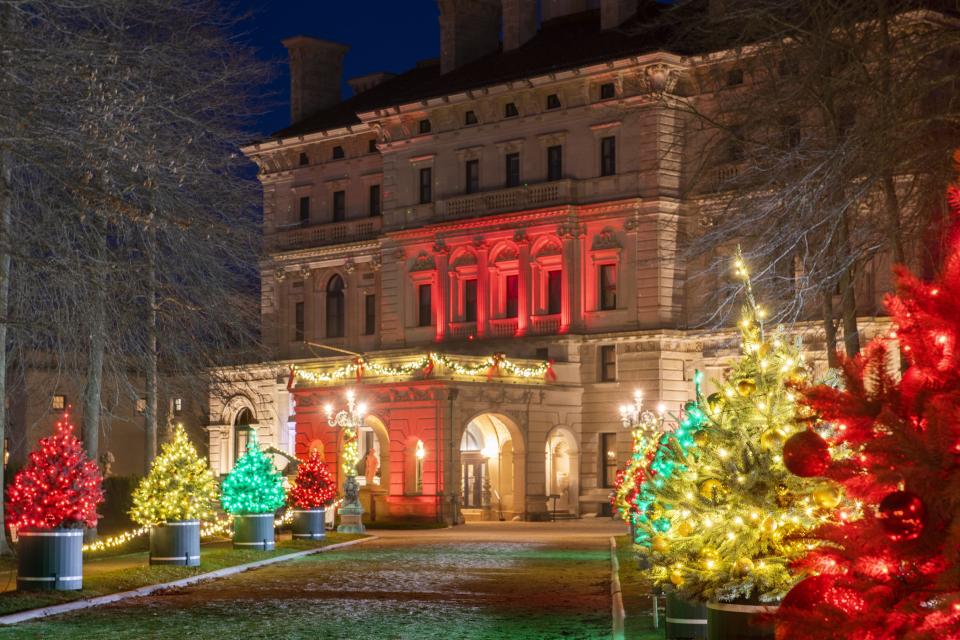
(806, 454)
(901, 515)
(313, 487)
(59, 487)
(807, 595)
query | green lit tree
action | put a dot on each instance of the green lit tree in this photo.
(254, 485)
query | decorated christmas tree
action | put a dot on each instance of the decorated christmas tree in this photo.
(180, 486)
(646, 433)
(313, 487)
(737, 517)
(59, 487)
(895, 572)
(254, 485)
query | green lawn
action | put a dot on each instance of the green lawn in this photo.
(113, 573)
(637, 602)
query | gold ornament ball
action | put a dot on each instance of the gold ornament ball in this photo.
(743, 566)
(772, 439)
(660, 544)
(684, 528)
(746, 387)
(715, 402)
(768, 524)
(700, 438)
(827, 496)
(654, 511)
(676, 577)
(712, 490)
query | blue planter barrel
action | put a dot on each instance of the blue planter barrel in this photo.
(309, 524)
(176, 542)
(254, 531)
(50, 560)
(686, 620)
(737, 621)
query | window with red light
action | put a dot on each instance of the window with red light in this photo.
(470, 300)
(608, 287)
(512, 295)
(424, 305)
(554, 291)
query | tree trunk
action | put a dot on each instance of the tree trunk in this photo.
(93, 390)
(830, 329)
(891, 204)
(5, 262)
(150, 412)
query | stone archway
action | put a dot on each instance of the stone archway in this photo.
(492, 468)
(373, 477)
(563, 470)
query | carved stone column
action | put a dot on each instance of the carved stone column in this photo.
(483, 289)
(524, 303)
(441, 299)
(569, 233)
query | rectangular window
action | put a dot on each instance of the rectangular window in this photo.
(470, 118)
(304, 210)
(554, 291)
(608, 363)
(304, 159)
(553, 101)
(426, 185)
(469, 300)
(371, 146)
(376, 207)
(510, 110)
(178, 405)
(339, 206)
(608, 287)
(298, 322)
(554, 163)
(370, 315)
(513, 169)
(424, 305)
(337, 152)
(608, 458)
(607, 91)
(141, 405)
(512, 291)
(424, 126)
(472, 178)
(58, 402)
(734, 77)
(608, 156)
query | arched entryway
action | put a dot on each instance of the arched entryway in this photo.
(563, 471)
(492, 468)
(373, 468)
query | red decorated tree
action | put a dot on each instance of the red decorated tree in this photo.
(59, 487)
(313, 487)
(895, 571)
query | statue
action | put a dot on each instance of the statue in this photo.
(106, 464)
(371, 466)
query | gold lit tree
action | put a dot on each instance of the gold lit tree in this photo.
(738, 517)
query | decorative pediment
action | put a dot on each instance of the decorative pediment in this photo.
(550, 249)
(465, 259)
(606, 239)
(505, 254)
(424, 262)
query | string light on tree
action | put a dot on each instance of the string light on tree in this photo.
(254, 486)
(314, 486)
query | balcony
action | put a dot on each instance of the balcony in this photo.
(503, 327)
(515, 199)
(318, 235)
(463, 330)
(545, 325)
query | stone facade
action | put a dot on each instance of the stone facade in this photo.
(537, 217)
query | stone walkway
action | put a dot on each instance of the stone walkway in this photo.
(475, 582)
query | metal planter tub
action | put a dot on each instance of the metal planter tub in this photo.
(254, 531)
(176, 542)
(309, 524)
(686, 620)
(739, 621)
(50, 560)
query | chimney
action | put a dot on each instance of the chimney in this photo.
(316, 69)
(519, 22)
(469, 29)
(556, 8)
(369, 81)
(614, 13)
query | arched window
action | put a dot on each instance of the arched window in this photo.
(241, 432)
(335, 307)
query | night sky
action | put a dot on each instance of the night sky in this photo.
(384, 35)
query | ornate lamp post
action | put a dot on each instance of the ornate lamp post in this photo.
(643, 423)
(350, 420)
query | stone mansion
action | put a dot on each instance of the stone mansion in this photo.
(485, 248)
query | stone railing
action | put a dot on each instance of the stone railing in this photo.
(463, 330)
(545, 325)
(503, 327)
(289, 239)
(513, 199)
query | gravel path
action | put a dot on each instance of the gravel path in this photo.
(476, 582)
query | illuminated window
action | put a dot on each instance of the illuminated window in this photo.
(178, 405)
(608, 363)
(58, 402)
(141, 405)
(608, 287)
(608, 459)
(419, 453)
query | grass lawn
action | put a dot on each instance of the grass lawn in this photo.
(112, 573)
(637, 602)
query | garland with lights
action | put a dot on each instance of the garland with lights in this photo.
(254, 486)
(313, 487)
(59, 487)
(894, 573)
(737, 516)
(425, 365)
(180, 485)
